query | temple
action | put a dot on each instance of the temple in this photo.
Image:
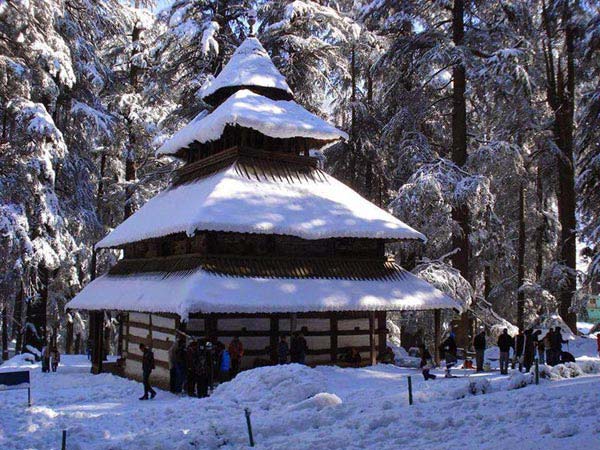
(253, 239)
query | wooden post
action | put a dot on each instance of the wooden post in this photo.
(373, 353)
(333, 327)
(96, 331)
(274, 338)
(382, 330)
(293, 323)
(69, 339)
(121, 329)
(437, 320)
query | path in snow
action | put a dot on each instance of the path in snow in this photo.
(295, 407)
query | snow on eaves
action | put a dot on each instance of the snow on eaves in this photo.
(205, 292)
(274, 118)
(228, 201)
(250, 65)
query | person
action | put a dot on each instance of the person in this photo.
(224, 363)
(387, 356)
(180, 365)
(236, 351)
(147, 368)
(204, 368)
(298, 348)
(449, 350)
(426, 363)
(548, 346)
(505, 342)
(556, 344)
(541, 347)
(283, 351)
(519, 343)
(46, 358)
(598, 343)
(190, 362)
(528, 349)
(479, 346)
(55, 358)
(88, 348)
(354, 358)
(172, 370)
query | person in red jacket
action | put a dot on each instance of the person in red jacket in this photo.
(236, 351)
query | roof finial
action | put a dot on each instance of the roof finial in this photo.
(251, 21)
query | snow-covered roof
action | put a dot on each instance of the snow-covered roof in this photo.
(205, 292)
(274, 118)
(230, 200)
(250, 65)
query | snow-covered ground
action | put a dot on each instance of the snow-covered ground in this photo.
(296, 407)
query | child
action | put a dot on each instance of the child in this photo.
(55, 355)
(426, 363)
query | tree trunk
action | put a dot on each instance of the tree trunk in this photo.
(521, 261)
(18, 318)
(460, 213)
(541, 230)
(560, 88)
(4, 331)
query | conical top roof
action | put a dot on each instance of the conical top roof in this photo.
(249, 67)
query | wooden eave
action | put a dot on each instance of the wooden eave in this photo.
(263, 267)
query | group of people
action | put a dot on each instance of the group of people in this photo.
(196, 365)
(50, 358)
(295, 352)
(526, 345)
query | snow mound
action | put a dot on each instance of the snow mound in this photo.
(518, 380)
(318, 402)
(267, 387)
(566, 370)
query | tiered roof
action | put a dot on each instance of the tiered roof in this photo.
(249, 67)
(274, 118)
(249, 197)
(207, 290)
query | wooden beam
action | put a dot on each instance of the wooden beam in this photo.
(373, 354)
(333, 327)
(274, 338)
(437, 323)
(96, 335)
(382, 330)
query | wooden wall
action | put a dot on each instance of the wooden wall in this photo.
(328, 335)
(155, 330)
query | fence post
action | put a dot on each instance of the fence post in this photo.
(64, 440)
(29, 396)
(537, 371)
(249, 424)
(410, 395)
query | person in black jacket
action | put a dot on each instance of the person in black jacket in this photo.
(505, 342)
(426, 363)
(147, 368)
(519, 343)
(298, 348)
(479, 346)
(529, 349)
(449, 350)
(556, 342)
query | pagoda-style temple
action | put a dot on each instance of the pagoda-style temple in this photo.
(253, 239)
